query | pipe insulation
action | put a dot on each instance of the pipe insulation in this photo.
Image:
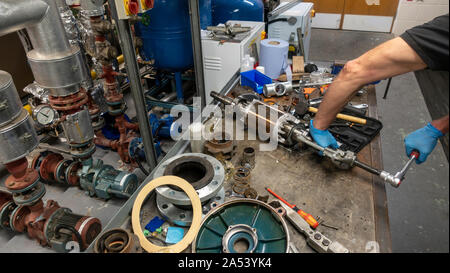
(18, 14)
(49, 35)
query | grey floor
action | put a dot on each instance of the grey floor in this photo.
(419, 208)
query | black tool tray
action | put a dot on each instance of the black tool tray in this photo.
(354, 138)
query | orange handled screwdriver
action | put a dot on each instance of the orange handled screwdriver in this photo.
(308, 217)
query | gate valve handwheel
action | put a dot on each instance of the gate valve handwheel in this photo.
(147, 4)
(133, 7)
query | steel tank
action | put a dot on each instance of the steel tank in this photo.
(166, 34)
(205, 13)
(242, 10)
(10, 105)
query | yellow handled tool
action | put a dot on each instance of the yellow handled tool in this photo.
(342, 116)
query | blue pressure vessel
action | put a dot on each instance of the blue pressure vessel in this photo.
(205, 13)
(166, 33)
(243, 10)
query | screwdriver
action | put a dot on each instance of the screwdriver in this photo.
(308, 217)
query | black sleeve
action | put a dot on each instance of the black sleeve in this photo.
(430, 41)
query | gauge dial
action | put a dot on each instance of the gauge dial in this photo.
(45, 115)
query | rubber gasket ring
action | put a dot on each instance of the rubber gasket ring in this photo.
(196, 218)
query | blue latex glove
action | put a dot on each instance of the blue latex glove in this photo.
(423, 140)
(322, 137)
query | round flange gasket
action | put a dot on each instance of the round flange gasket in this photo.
(196, 218)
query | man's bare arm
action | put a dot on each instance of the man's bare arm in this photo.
(441, 124)
(394, 57)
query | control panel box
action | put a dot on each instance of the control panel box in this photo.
(222, 59)
(129, 8)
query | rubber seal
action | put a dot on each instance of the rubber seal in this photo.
(196, 218)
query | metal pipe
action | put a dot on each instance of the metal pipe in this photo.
(197, 47)
(18, 14)
(137, 91)
(49, 36)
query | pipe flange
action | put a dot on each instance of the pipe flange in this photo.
(48, 166)
(98, 124)
(70, 174)
(206, 192)
(183, 216)
(61, 169)
(16, 219)
(30, 197)
(34, 175)
(37, 160)
(196, 219)
(82, 151)
(5, 213)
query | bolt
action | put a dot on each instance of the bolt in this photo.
(317, 236)
(326, 242)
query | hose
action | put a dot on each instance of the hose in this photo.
(138, 161)
(278, 20)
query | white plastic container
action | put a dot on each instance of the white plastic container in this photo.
(196, 138)
(247, 63)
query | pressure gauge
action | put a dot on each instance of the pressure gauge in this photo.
(45, 115)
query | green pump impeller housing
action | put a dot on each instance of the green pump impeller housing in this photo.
(242, 226)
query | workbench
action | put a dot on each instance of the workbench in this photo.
(351, 202)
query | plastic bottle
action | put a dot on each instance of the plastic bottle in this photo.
(196, 139)
(247, 63)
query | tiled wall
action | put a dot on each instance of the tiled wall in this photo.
(411, 13)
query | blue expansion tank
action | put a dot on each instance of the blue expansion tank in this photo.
(243, 10)
(166, 34)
